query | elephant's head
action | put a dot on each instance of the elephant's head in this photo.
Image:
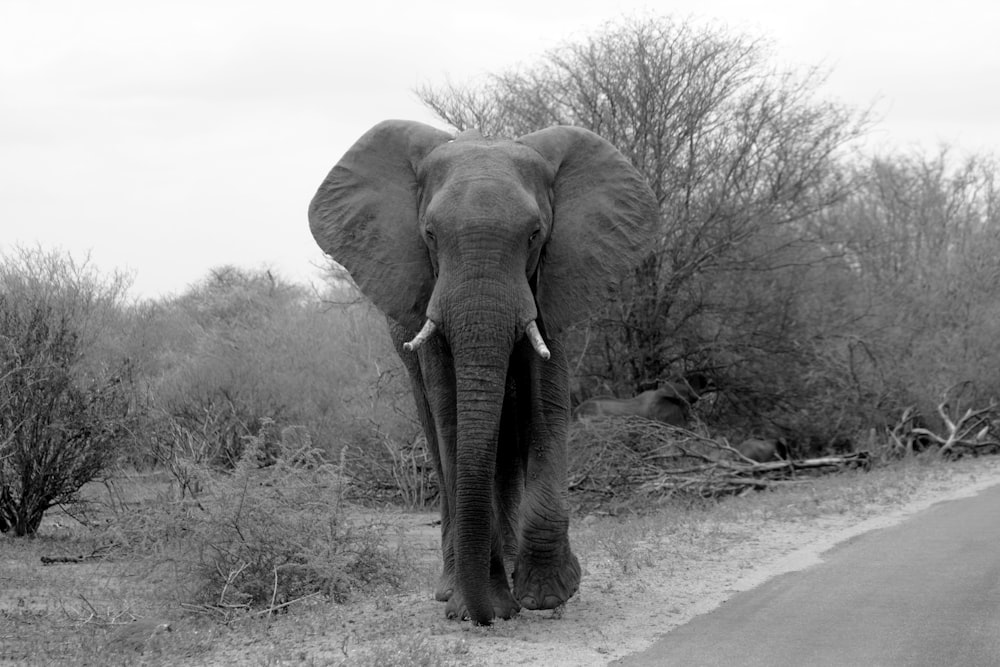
(484, 243)
(549, 222)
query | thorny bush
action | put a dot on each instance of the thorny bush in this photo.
(63, 409)
(265, 535)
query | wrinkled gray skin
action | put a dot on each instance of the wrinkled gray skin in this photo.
(670, 404)
(488, 241)
(758, 450)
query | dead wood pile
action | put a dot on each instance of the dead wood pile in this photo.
(629, 456)
(962, 431)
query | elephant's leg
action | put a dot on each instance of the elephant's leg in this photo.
(546, 573)
(509, 476)
(504, 604)
(508, 487)
(439, 391)
(434, 400)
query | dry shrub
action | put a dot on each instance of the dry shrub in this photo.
(260, 538)
(392, 470)
(64, 402)
(244, 347)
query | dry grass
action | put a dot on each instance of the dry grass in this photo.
(140, 573)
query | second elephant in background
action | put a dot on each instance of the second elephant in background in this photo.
(670, 403)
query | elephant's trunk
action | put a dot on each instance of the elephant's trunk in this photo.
(478, 430)
(481, 341)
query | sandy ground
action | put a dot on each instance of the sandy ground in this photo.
(634, 589)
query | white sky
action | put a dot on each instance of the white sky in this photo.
(170, 137)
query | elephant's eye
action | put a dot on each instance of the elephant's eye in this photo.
(430, 235)
(533, 237)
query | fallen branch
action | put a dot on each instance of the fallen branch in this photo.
(227, 610)
(95, 554)
(968, 431)
(634, 456)
(273, 608)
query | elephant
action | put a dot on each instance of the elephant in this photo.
(481, 252)
(762, 451)
(670, 404)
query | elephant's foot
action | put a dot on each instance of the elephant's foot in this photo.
(504, 605)
(546, 583)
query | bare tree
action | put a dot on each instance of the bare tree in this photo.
(740, 157)
(64, 403)
(919, 236)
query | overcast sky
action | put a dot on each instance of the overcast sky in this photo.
(170, 137)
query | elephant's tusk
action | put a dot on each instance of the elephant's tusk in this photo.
(421, 337)
(537, 342)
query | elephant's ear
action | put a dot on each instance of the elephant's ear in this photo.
(604, 214)
(365, 217)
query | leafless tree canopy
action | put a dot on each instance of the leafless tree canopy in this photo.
(740, 157)
(824, 291)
